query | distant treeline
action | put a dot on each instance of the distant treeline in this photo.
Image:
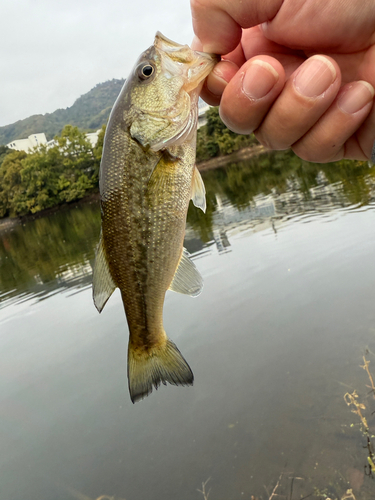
(89, 112)
(68, 171)
(49, 176)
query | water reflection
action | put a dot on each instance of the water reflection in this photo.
(278, 186)
(40, 257)
(275, 341)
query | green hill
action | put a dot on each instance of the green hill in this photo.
(89, 112)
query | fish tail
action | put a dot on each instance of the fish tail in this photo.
(159, 365)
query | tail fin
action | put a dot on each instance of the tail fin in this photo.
(161, 365)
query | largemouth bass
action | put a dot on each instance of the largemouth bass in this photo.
(147, 177)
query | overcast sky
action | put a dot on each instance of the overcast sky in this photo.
(51, 52)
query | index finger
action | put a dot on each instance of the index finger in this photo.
(218, 23)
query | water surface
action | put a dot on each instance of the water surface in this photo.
(275, 340)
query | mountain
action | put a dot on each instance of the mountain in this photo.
(89, 112)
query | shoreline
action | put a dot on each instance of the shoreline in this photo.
(242, 154)
(10, 222)
(216, 162)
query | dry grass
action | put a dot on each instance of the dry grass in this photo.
(358, 408)
(203, 490)
(349, 495)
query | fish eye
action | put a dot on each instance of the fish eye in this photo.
(145, 71)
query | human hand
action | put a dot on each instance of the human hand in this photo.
(297, 73)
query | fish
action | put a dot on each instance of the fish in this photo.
(146, 180)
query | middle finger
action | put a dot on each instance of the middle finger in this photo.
(307, 94)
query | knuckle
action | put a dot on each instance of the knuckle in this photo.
(262, 140)
(312, 153)
(271, 142)
(236, 122)
(305, 153)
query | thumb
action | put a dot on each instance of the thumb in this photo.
(218, 23)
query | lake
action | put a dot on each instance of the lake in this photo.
(275, 341)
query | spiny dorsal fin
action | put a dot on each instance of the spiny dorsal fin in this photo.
(187, 278)
(102, 282)
(198, 191)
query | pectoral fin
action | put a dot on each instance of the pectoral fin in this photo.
(102, 283)
(160, 179)
(187, 279)
(198, 191)
(161, 186)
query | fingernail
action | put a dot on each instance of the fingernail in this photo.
(259, 79)
(315, 76)
(355, 96)
(221, 74)
(217, 81)
(216, 85)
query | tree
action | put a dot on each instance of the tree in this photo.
(11, 186)
(78, 166)
(40, 179)
(98, 149)
(216, 139)
(4, 150)
(49, 176)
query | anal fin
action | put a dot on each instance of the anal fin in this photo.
(102, 283)
(187, 278)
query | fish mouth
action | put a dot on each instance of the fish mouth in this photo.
(166, 44)
(181, 60)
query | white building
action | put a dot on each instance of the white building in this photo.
(28, 144)
(202, 110)
(35, 140)
(93, 137)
